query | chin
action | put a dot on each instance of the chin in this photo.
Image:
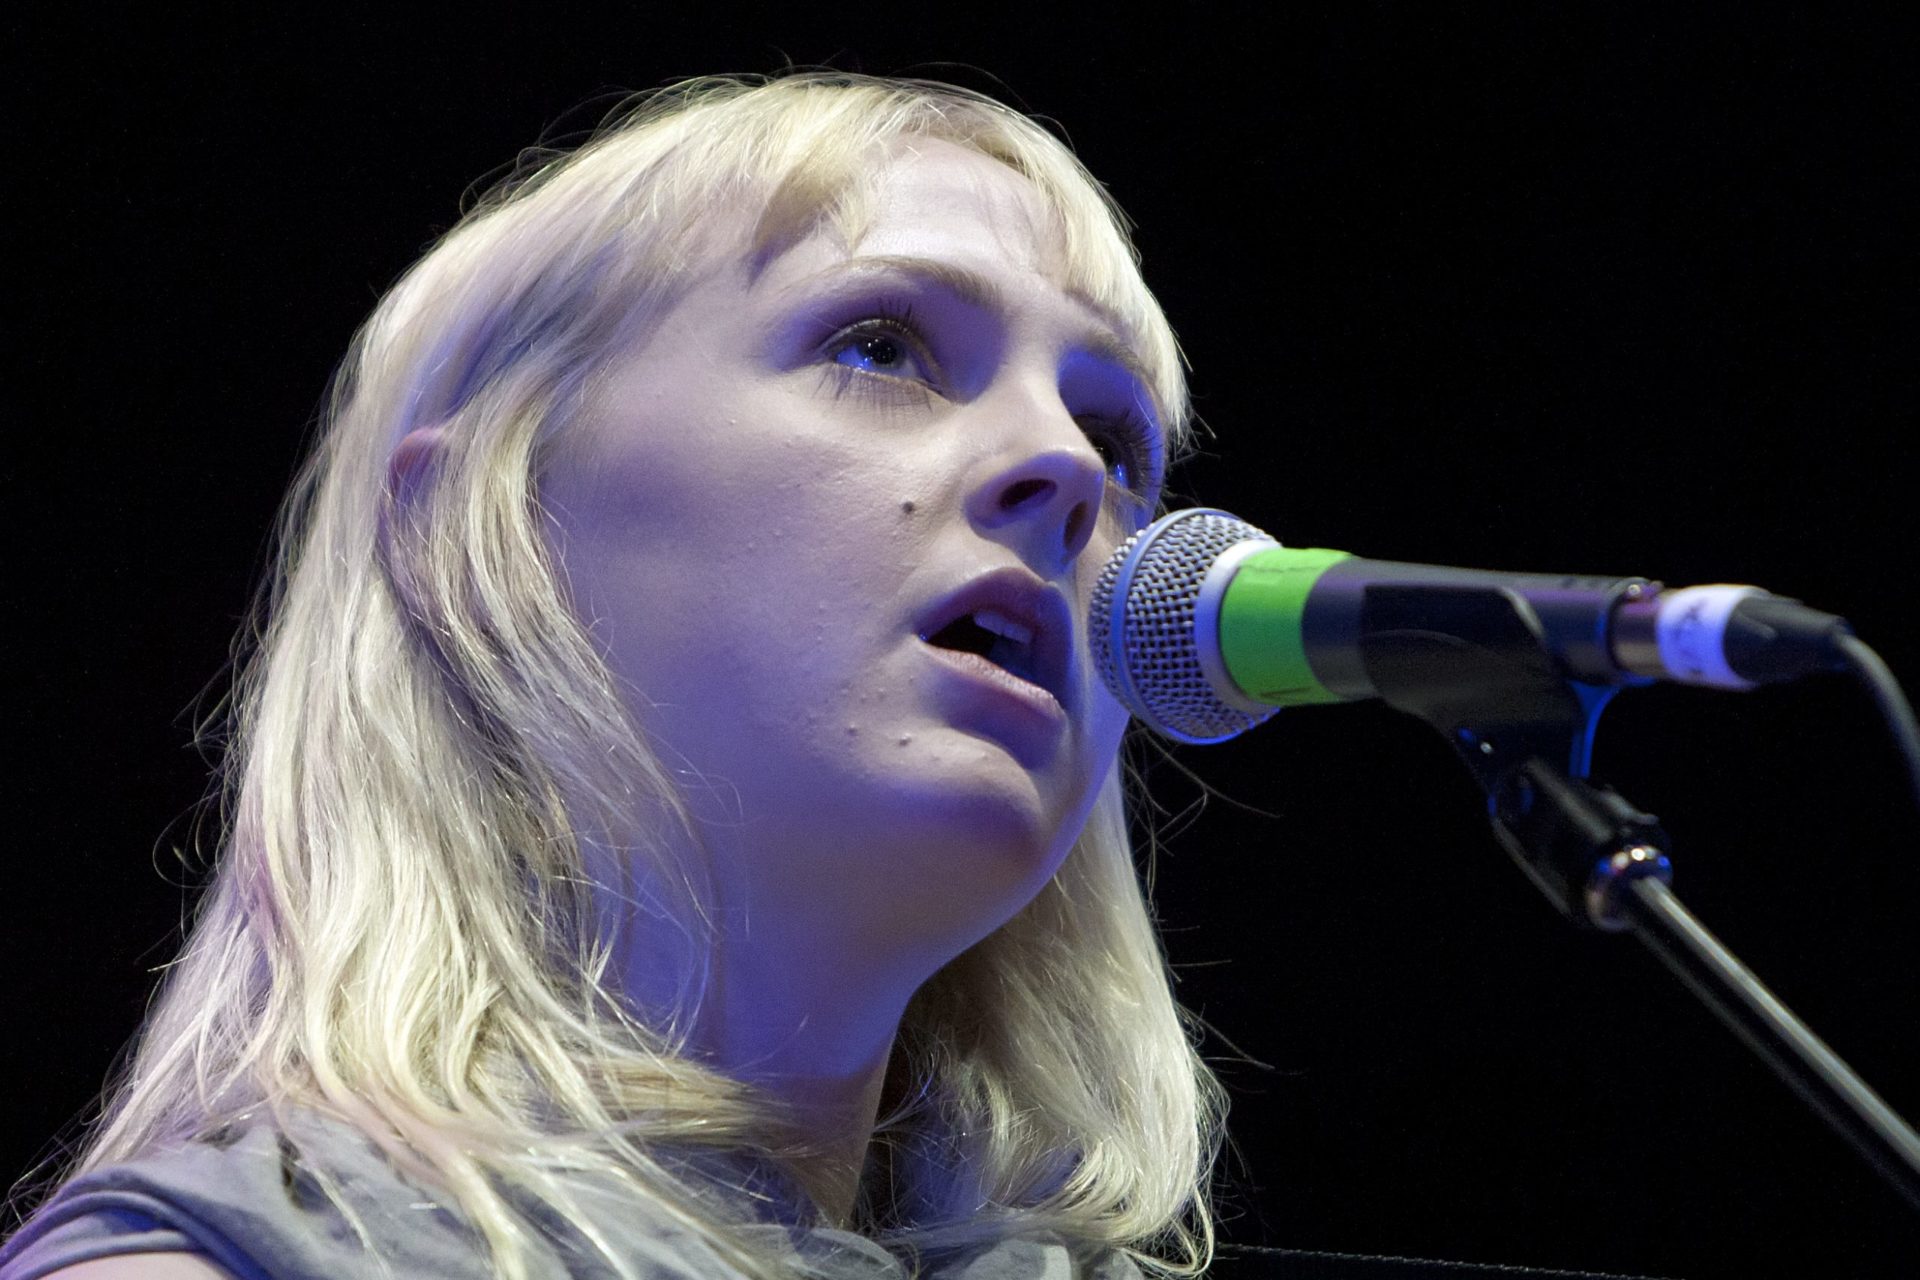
(983, 787)
(970, 817)
(1008, 829)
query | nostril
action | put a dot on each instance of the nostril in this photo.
(1077, 521)
(1019, 495)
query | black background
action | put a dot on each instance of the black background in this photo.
(1595, 289)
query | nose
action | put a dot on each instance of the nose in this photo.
(1041, 493)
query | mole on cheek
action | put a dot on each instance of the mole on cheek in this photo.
(907, 506)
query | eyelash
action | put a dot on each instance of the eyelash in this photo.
(1127, 434)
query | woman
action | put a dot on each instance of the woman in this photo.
(675, 827)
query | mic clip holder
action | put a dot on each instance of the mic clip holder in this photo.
(1476, 664)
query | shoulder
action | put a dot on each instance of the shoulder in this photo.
(252, 1202)
(144, 1266)
(314, 1202)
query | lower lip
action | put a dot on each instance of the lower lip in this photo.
(1003, 681)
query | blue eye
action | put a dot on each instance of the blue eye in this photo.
(886, 344)
(876, 353)
(884, 354)
(1126, 445)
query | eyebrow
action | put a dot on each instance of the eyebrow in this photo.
(978, 291)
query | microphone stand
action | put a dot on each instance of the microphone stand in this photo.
(1474, 663)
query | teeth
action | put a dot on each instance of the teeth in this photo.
(1003, 626)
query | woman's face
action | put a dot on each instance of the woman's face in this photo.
(835, 523)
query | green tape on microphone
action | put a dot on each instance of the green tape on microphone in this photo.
(1261, 643)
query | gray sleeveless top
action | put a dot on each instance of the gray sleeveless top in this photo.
(249, 1204)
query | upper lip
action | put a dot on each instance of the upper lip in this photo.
(1027, 600)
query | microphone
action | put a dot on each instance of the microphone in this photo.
(1203, 626)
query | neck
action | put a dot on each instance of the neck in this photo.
(837, 1118)
(815, 1034)
(809, 1025)
(802, 998)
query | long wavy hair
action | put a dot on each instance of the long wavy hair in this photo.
(424, 749)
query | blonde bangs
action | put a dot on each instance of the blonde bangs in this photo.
(804, 148)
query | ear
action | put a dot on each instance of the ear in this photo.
(412, 460)
(408, 467)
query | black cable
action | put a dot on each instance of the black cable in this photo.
(1866, 665)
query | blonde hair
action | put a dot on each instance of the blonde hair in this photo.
(401, 930)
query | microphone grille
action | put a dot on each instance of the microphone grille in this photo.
(1142, 625)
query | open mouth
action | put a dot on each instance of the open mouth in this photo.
(1014, 623)
(992, 635)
